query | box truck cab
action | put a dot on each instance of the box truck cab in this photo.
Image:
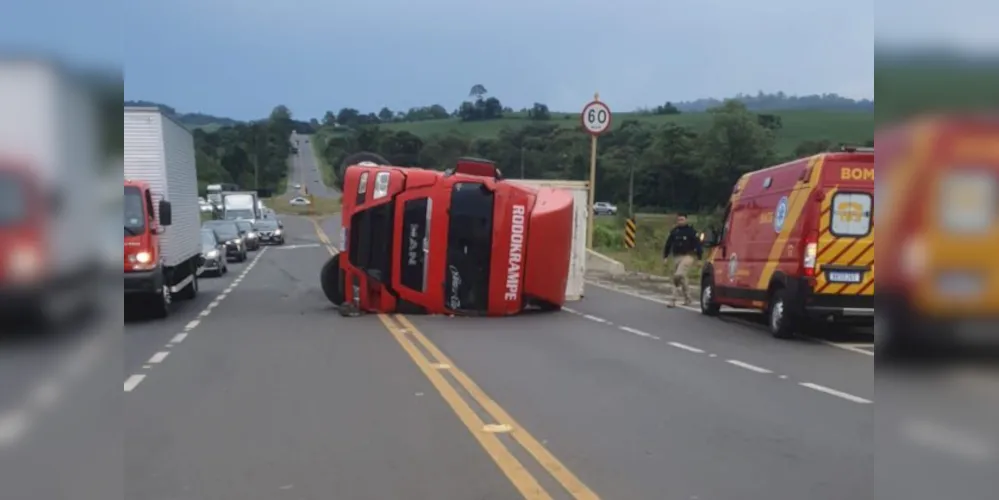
(23, 225)
(798, 244)
(162, 226)
(939, 192)
(462, 242)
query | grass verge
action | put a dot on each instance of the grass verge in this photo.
(646, 257)
(318, 144)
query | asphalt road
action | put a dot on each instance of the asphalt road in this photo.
(305, 169)
(260, 390)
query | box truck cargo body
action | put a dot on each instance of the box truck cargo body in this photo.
(49, 162)
(162, 243)
(575, 287)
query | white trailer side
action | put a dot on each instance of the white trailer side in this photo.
(160, 151)
(575, 287)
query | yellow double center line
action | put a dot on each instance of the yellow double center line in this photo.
(434, 364)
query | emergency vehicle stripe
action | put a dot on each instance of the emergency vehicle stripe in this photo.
(862, 258)
(795, 207)
(866, 288)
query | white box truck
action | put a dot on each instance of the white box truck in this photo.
(162, 244)
(581, 206)
(50, 255)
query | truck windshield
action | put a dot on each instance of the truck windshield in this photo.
(239, 214)
(135, 217)
(469, 248)
(371, 241)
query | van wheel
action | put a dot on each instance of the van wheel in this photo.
(782, 325)
(331, 279)
(708, 305)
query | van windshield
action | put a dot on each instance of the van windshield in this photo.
(469, 248)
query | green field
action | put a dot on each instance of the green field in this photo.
(652, 230)
(837, 126)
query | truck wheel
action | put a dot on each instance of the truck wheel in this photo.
(190, 291)
(159, 306)
(331, 279)
(782, 325)
(708, 305)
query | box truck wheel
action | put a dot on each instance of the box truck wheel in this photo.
(331, 279)
(191, 290)
(159, 304)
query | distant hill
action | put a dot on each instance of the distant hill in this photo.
(782, 102)
(190, 120)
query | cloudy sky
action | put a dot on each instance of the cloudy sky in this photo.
(239, 58)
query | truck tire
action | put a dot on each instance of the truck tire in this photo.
(331, 279)
(190, 291)
(159, 304)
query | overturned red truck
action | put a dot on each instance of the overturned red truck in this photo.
(462, 242)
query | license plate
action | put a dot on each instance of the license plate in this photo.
(842, 277)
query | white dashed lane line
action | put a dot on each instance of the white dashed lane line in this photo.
(133, 381)
(733, 362)
(866, 349)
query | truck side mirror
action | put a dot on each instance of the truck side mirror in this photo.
(166, 213)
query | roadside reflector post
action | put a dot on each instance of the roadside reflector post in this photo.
(630, 230)
(596, 118)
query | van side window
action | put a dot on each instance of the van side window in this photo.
(851, 214)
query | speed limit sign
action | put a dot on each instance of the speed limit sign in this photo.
(596, 118)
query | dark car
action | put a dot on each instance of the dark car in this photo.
(228, 231)
(249, 232)
(213, 253)
(270, 231)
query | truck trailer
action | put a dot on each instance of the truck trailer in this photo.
(162, 243)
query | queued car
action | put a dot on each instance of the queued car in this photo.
(604, 208)
(249, 233)
(270, 231)
(299, 201)
(213, 253)
(228, 231)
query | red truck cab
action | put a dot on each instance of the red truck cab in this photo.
(22, 236)
(461, 242)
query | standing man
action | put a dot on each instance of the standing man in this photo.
(683, 245)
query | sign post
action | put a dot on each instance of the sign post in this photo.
(596, 118)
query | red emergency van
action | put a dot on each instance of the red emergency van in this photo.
(798, 243)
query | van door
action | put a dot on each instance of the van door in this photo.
(845, 255)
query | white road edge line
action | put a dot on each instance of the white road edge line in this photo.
(178, 338)
(747, 366)
(834, 392)
(686, 347)
(192, 325)
(132, 382)
(947, 440)
(12, 426)
(594, 318)
(848, 347)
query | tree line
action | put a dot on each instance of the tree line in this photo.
(674, 167)
(253, 155)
